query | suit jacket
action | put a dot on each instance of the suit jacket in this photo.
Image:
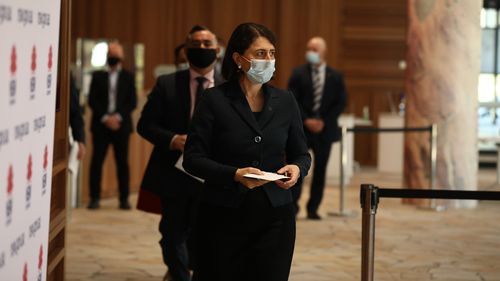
(165, 114)
(225, 136)
(126, 99)
(75, 113)
(332, 103)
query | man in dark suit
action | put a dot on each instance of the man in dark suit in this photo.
(164, 122)
(112, 98)
(321, 95)
(76, 119)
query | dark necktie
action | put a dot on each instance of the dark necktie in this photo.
(317, 91)
(199, 89)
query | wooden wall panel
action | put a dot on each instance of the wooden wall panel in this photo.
(366, 41)
(372, 43)
(57, 226)
(162, 24)
(299, 21)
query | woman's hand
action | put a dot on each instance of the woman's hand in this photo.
(248, 182)
(291, 171)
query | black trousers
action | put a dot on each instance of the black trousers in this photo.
(100, 141)
(176, 224)
(252, 242)
(321, 150)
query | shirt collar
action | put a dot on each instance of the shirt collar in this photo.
(209, 76)
(320, 68)
(116, 70)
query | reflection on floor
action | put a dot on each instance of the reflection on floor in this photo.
(412, 244)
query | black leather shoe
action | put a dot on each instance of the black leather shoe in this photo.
(125, 205)
(93, 204)
(313, 216)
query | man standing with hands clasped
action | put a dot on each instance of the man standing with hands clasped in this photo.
(112, 98)
(321, 96)
(164, 122)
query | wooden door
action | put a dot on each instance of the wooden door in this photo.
(56, 251)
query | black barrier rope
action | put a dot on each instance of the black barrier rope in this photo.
(432, 129)
(439, 194)
(369, 198)
(389, 130)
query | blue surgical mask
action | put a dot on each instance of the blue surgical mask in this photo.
(261, 71)
(313, 57)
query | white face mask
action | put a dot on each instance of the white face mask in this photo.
(312, 57)
(261, 71)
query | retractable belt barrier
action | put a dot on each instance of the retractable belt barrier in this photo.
(389, 130)
(343, 157)
(370, 197)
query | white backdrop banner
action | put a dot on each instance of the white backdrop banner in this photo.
(29, 40)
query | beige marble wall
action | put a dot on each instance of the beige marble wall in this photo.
(441, 87)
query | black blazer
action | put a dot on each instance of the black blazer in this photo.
(224, 136)
(333, 101)
(75, 113)
(165, 114)
(126, 99)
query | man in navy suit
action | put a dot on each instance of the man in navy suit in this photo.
(321, 96)
(112, 98)
(164, 122)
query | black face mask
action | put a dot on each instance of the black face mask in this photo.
(201, 58)
(113, 61)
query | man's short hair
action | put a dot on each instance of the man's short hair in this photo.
(197, 28)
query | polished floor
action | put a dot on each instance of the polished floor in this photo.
(412, 244)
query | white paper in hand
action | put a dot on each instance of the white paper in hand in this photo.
(178, 165)
(267, 176)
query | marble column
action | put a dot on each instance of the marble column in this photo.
(443, 62)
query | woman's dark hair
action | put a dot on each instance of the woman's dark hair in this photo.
(243, 36)
(177, 53)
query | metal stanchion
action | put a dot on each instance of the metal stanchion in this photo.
(369, 203)
(343, 163)
(498, 163)
(369, 199)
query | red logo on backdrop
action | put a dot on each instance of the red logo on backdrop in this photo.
(25, 272)
(40, 258)
(45, 158)
(10, 181)
(30, 168)
(13, 59)
(33, 59)
(50, 57)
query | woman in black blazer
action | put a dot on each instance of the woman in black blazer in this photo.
(246, 227)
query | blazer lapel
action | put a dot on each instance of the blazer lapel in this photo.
(105, 97)
(183, 88)
(268, 110)
(309, 78)
(309, 90)
(327, 91)
(241, 106)
(119, 86)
